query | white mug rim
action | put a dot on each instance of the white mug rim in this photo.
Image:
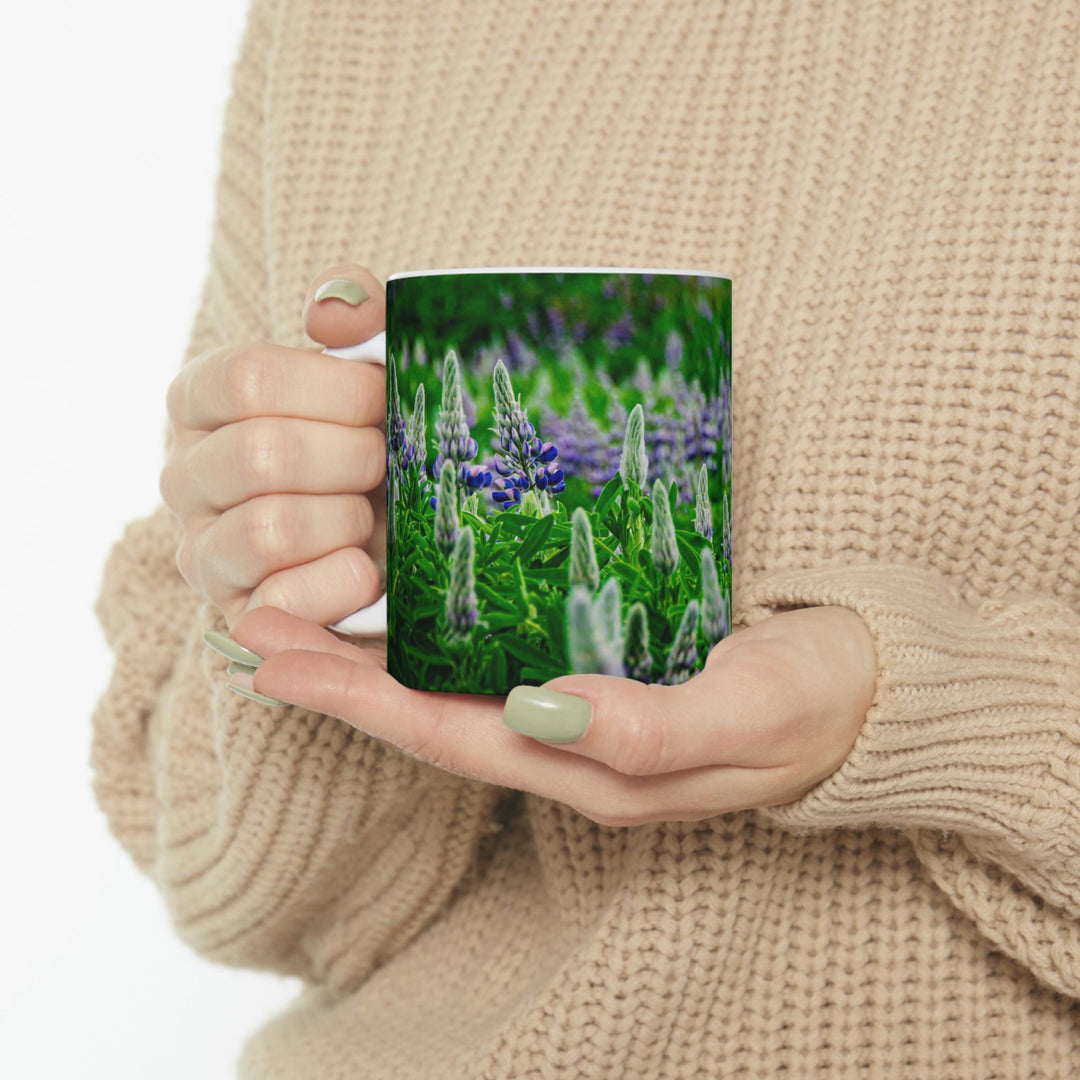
(635, 270)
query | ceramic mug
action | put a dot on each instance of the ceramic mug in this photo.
(558, 475)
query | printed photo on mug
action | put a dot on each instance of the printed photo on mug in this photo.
(558, 475)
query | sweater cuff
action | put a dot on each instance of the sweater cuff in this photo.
(965, 730)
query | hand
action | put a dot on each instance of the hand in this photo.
(272, 453)
(775, 711)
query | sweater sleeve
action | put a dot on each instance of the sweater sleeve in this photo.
(971, 746)
(279, 839)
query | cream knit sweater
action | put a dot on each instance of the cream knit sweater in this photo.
(895, 187)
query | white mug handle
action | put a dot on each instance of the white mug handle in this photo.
(369, 621)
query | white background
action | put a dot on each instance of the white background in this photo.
(110, 117)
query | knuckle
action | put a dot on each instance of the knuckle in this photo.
(249, 381)
(269, 532)
(265, 451)
(434, 742)
(644, 743)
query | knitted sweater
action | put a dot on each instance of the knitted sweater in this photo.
(895, 188)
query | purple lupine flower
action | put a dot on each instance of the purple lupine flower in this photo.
(556, 323)
(581, 645)
(447, 523)
(634, 461)
(682, 660)
(523, 461)
(551, 478)
(673, 349)
(665, 548)
(505, 492)
(620, 332)
(522, 357)
(456, 443)
(714, 619)
(726, 525)
(636, 656)
(608, 627)
(593, 647)
(395, 420)
(461, 603)
(703, 518)
(725, 428)
(583, 566)
(393, 493)
(416, 428)
(473, 477)
(643, 381)
(583, 450)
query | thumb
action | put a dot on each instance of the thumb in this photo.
(634, 728)
(345, 305)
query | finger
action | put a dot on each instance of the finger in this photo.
(248, 543)
(345, 306)
(637, 729)
(268, 631)
(462, 734)
(227, 385)
(779, 694)
(269, 456)
(324, 590)
(729, 714)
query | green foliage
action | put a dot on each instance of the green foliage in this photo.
(606, 577)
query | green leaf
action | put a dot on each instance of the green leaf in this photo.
(524, 651)
(556, 628)
(502, 622)
(689, 548)
(493, 600)
(434, 659)
(623, 570)
(513, 523)
(521, 600)
(532, 676)
(607, 496)
(555, 575)
(535, 539)
(498, 677)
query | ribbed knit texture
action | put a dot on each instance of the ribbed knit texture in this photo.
(895, 188)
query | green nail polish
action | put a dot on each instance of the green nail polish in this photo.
(262, 699)
(547, 714)
(230, 650)
(236, 668)
(352, 292)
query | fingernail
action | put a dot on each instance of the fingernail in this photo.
(352, 292)
(236, 668)
(546, 714)
(251, 695)
(230, 650)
